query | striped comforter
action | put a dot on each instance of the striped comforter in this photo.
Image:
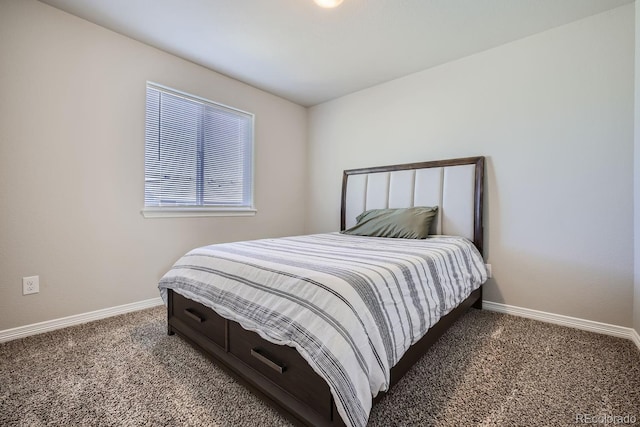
(350, 305)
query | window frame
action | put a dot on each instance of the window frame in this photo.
(170, 211)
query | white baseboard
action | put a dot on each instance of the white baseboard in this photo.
(571, 322)
(635, 337)
(558, 319)
(51, 325)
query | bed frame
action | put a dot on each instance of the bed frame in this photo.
(278, 374)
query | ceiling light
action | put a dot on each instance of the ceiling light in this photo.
(328, 3)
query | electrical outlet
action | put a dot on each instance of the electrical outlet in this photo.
(30, 285)
(489, 272)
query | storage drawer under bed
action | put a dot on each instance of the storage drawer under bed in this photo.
(197, 317)
(281, 365)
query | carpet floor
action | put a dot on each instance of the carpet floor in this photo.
(489, 369)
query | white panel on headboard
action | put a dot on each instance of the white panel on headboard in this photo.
(378, 191)
(458, 201)
(450, 185)
(428, 192)
(401, 185)
(356, 196)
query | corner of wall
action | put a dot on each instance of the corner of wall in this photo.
(636, 179)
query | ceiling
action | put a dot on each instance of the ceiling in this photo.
(309, 55)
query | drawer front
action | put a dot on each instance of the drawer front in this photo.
(282, 365)
(198, 318)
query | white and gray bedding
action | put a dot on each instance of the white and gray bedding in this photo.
(350, 305)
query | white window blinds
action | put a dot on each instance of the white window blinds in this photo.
(197, 153)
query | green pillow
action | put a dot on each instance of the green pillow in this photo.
(405, 223)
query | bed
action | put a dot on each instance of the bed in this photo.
(321, 326)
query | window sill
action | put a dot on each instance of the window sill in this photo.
(180, 212)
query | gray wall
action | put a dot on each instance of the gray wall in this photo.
(554, 115)
(72, 167)
(636, 175)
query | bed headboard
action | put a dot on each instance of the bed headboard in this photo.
(455, 186)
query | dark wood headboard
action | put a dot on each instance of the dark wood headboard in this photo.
(456, 186)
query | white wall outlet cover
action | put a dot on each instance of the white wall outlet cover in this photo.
(489, 271)
(30, 285)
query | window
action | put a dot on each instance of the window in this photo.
(198, 156)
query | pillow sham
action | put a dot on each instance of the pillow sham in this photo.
(404, 223)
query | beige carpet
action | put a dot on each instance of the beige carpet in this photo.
(489, 370)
